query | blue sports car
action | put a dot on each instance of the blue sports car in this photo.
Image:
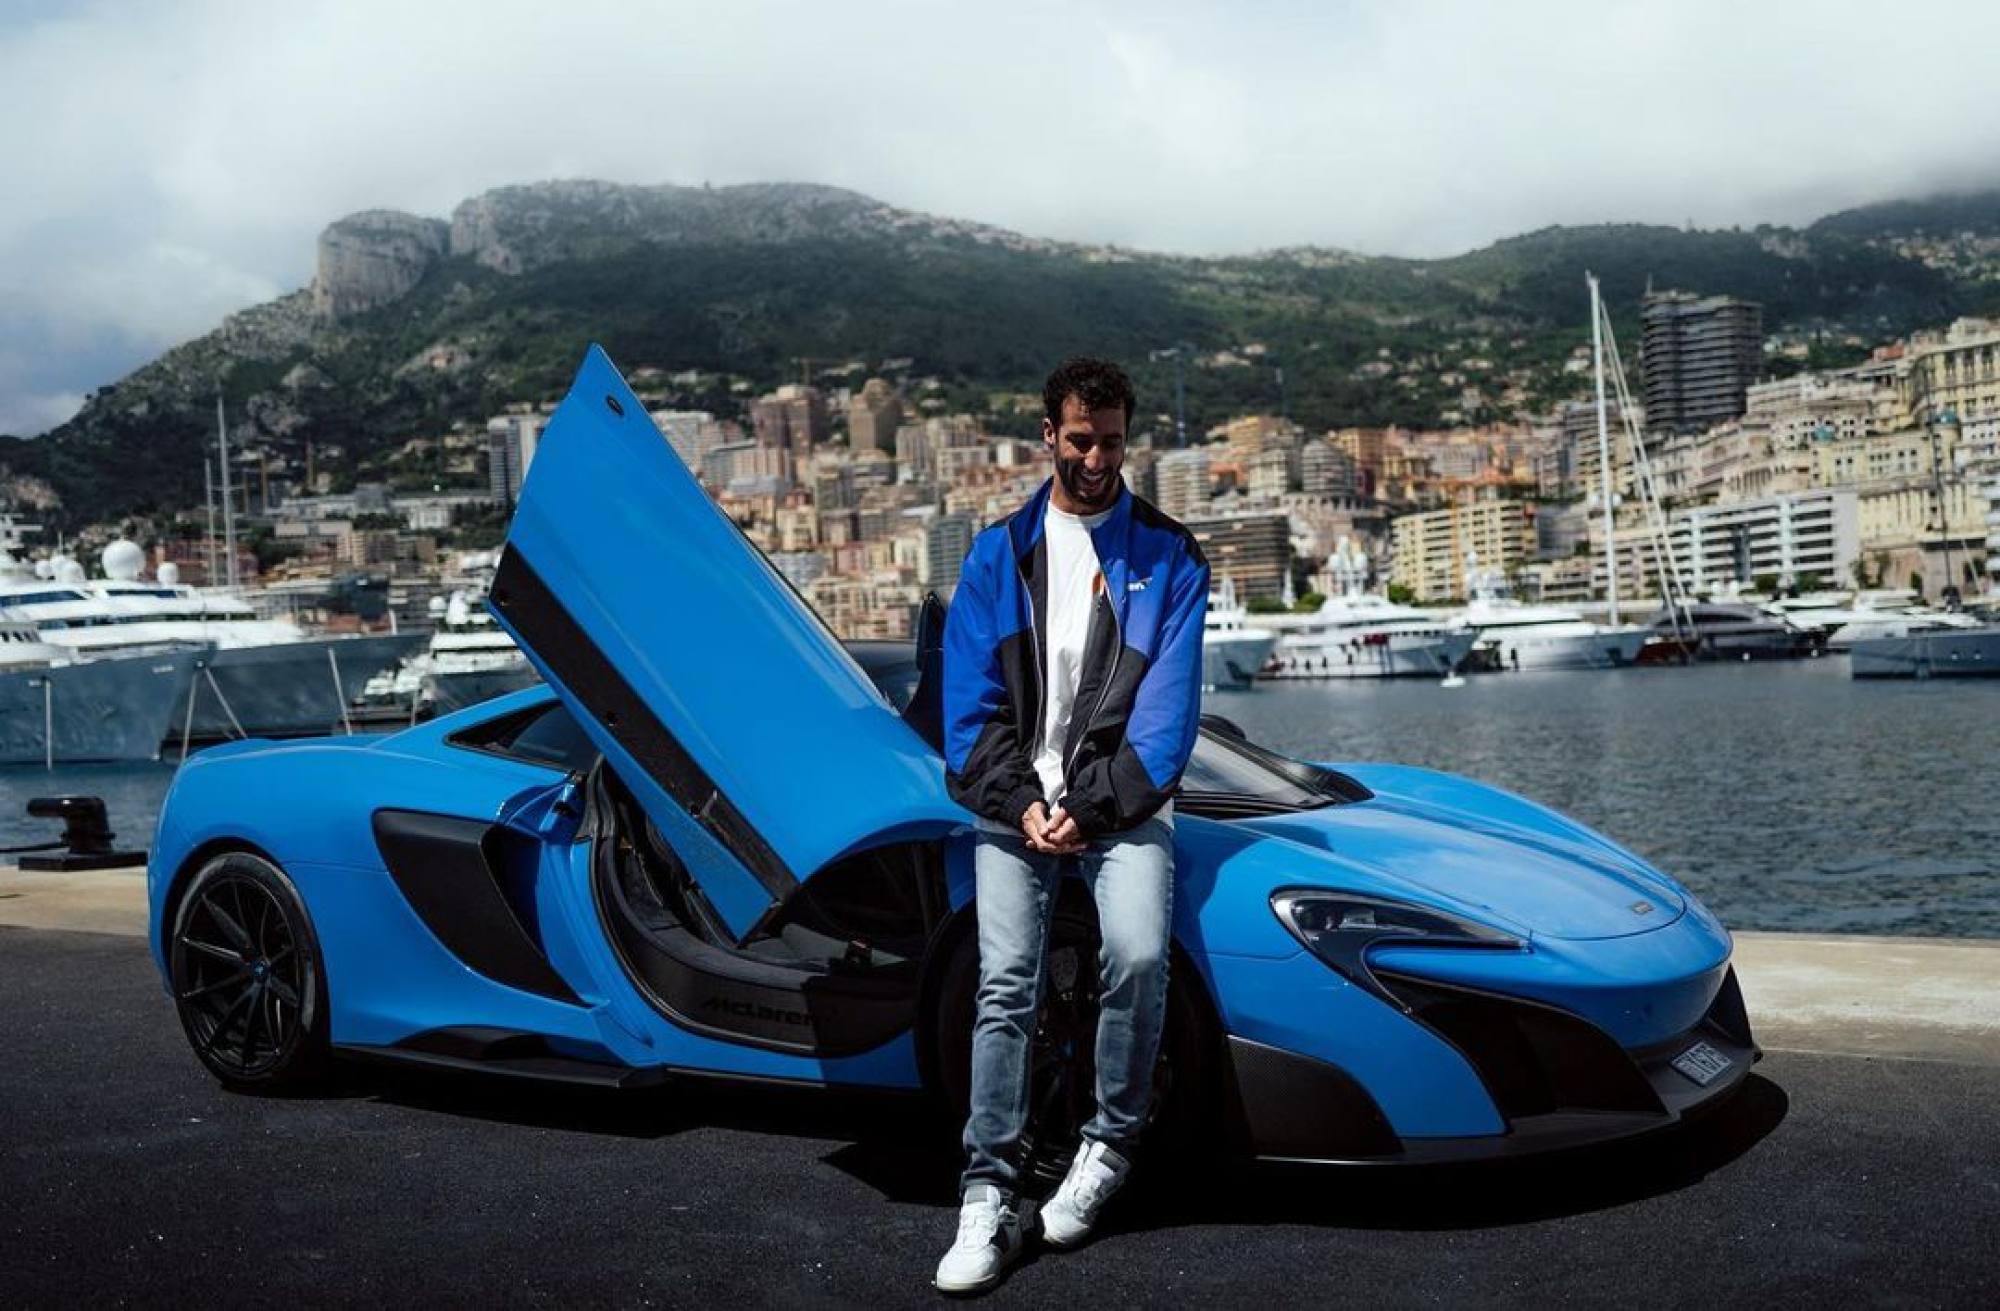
(718, 843)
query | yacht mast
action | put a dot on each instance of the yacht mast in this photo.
(1666, 567)
(229, 510)
(208, 510)
(1603, 445)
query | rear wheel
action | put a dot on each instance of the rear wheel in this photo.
(246, 975)
(1062, 1080)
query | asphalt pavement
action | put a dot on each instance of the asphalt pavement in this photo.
(129, 1177)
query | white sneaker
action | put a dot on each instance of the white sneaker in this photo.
(1095, 1174)
(989, 1238)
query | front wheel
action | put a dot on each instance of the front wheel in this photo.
(246, 974)
(1062, 1081)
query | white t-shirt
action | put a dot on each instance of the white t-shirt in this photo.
(1074, 582)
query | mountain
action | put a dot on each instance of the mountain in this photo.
(1973, 212)
(415, 324)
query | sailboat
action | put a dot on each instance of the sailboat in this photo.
(1674, 632)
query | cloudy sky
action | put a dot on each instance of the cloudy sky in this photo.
(167, 163)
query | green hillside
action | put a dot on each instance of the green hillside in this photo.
(748, 281)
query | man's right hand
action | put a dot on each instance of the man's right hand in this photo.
(1035, 828)
(1034, 823)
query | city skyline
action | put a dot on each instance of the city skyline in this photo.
(1864, 476)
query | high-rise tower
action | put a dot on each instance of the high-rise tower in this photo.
(1698, 356)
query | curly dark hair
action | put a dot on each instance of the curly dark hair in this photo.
(1099, 384)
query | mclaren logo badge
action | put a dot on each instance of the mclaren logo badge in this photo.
(1642, 908)
(748, 1010)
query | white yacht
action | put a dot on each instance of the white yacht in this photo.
(1950, 651)
(472, 659)
(57, 707)
(1893, 612)
(259, 677)
(1233, 650)
(1516, 635)
(1356, 634)
(1819, 614)
(469, 659)
(1365, 636)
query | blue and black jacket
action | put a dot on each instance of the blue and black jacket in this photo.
(1138, 704)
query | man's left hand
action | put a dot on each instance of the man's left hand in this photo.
(1063, 833)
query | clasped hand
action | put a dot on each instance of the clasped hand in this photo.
(1055, 833)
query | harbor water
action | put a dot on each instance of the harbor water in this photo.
(1786, 795)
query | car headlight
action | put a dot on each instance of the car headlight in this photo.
(1340, 927)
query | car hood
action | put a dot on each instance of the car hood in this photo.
(751, 738)
(1518, 877)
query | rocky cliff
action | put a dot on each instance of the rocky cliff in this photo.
(374, 258)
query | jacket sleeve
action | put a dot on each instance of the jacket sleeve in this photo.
(1117, 792)
(988, 769)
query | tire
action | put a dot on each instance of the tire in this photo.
(1183, 1123)
(247, 976)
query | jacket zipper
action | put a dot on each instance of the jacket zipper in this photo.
(1104, 691)
(1041, 659)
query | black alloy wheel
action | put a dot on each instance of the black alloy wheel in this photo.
(1062, 1078)
(246, 975)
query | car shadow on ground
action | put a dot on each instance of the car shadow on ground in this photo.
(1473, 1196)
(905, 1148)
(660, 1111)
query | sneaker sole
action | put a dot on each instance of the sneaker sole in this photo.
(1065, 1244)
(987, 1284)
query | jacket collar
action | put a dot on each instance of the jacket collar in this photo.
(1109, 537)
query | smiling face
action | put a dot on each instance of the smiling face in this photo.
(1089, 449)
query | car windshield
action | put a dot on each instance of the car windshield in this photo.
(1225, 767)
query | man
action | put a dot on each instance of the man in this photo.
(1072, 672)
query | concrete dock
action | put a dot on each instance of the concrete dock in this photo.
(1860, 1165)
(98, 901)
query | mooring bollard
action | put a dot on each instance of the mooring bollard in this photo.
(86, 837)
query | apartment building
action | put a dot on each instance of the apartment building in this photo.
(1698, 356)
(1253, 549)
(1813, 534)
(1430, 547)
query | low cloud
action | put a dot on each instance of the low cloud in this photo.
(171, 163)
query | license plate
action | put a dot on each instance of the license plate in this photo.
(1702, 1063)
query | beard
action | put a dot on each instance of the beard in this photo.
(1075, 480)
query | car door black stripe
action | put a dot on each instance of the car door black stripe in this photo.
(575, 662)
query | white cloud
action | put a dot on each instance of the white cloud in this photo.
(168, 163)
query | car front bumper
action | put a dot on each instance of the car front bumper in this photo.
(1556, 1081)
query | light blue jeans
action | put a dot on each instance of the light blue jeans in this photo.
(1131, 877)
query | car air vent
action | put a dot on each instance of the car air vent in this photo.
(1533, 1058)
(1225, 805)
(1338, 785)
